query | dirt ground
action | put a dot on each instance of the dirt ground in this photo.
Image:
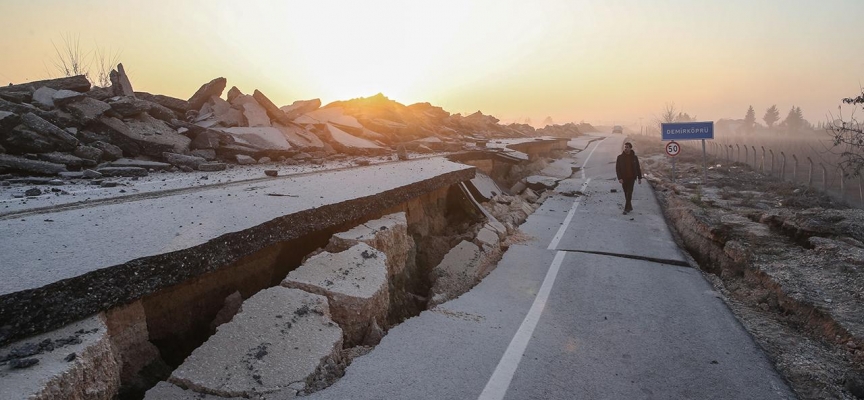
(787, 259)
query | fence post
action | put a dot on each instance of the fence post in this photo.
(730, 153)
(772, 161)
(762, 162)
(783, 166)
(795, 171)
(754, 156)
(824, 178)
(861, 187)
(738, 159)
(746, 155)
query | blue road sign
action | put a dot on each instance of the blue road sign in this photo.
(688, 130)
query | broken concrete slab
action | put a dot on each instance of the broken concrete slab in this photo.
(122, 171)
(168, 391)
(300, 138)
(131, 163)
(388, 234)
(301, 107)
(49, 130)
(227, 115)
(22, 140)
(87, 109)
(261, 138)
(207, 90)
(212, 166)
(349, 144)
(272, 111)
(66, 159)
(483, 187)
(8, 120)
(128, 106)
(232, 94)
(254, 113)
(355, 281)
(78, 83)
(332, 115)
(130, 338)
(44, 97)
(20, 164)
(144, 135)
(281, 338)
(207, 154)
(76, 361)
(172, 103)
(456, 274)
(63, 97)
(540, 182)
(120, 84)
(183, 160)
(245, 160)
(110, 152)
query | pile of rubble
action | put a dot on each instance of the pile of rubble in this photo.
(54, 127)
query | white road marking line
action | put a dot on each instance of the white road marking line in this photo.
(563, 228)
(498, 384)
(589, 157)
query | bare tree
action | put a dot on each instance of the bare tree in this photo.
(70, 59)
(848, 137)
(106, 60)
(670, 113)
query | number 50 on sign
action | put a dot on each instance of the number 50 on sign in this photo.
(673, 149)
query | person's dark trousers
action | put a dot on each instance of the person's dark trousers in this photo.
(628, 193)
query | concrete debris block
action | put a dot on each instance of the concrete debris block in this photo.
(388, 234)
(402, 152)
(17, 97)
(122, 171)
(301, 107)
(120, 84)
(245, 160)
(88, 153)
(530, 196)
(128, 106)
(300, 138)
(264, 160)
(92, 373)
(255, 114)
(90, 174)
(349, 144)
(77, 83)
(183, 160)
(330, 115)
(66, 159)
(355, 281)
(233, 93)
(71, 175)
(212, 166)
(8, 120)
(488, 237)
(22, 140)
(168, 391)
(44, 97)
(207, 139)
(110, 152)
(97, 93)
(456, 274)
(144, 135)
(540, 182)
(171, 103)
(482, 187)
(49, 130)
(272, 111)
(281, 337)
(16, 108)
(20, 164)
(261, 138)
(232, 305)
(87, 109)
(207, 154)
(61, 98)
(128, 162)
(207, 90)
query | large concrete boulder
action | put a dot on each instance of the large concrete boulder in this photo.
(355, 282)
(301, 107)
(349, 144)
(120, 84)
(227, 115)
(144, 135)
(87, 109)
(262, 138)
(207, 90)
(300, 138)
(272, 111)
(44, 97)
(277, 342)
(388, 234)
(254, 113)
(456, 274)
(76, 362)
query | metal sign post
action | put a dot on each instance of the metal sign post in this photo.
(690, 131)
(672, 150)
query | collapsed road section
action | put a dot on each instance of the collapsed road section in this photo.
(122, 292)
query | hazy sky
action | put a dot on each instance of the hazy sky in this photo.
(599, 61)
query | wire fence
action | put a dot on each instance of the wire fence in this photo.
(800, 159)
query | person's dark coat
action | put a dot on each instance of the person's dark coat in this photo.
(627, 166)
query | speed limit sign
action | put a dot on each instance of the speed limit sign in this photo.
(672, 149)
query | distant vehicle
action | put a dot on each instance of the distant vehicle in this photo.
(617, 129)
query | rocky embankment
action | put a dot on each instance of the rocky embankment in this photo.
(68, 129)
(788, 260)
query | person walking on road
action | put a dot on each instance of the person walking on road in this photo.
(628, 171)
